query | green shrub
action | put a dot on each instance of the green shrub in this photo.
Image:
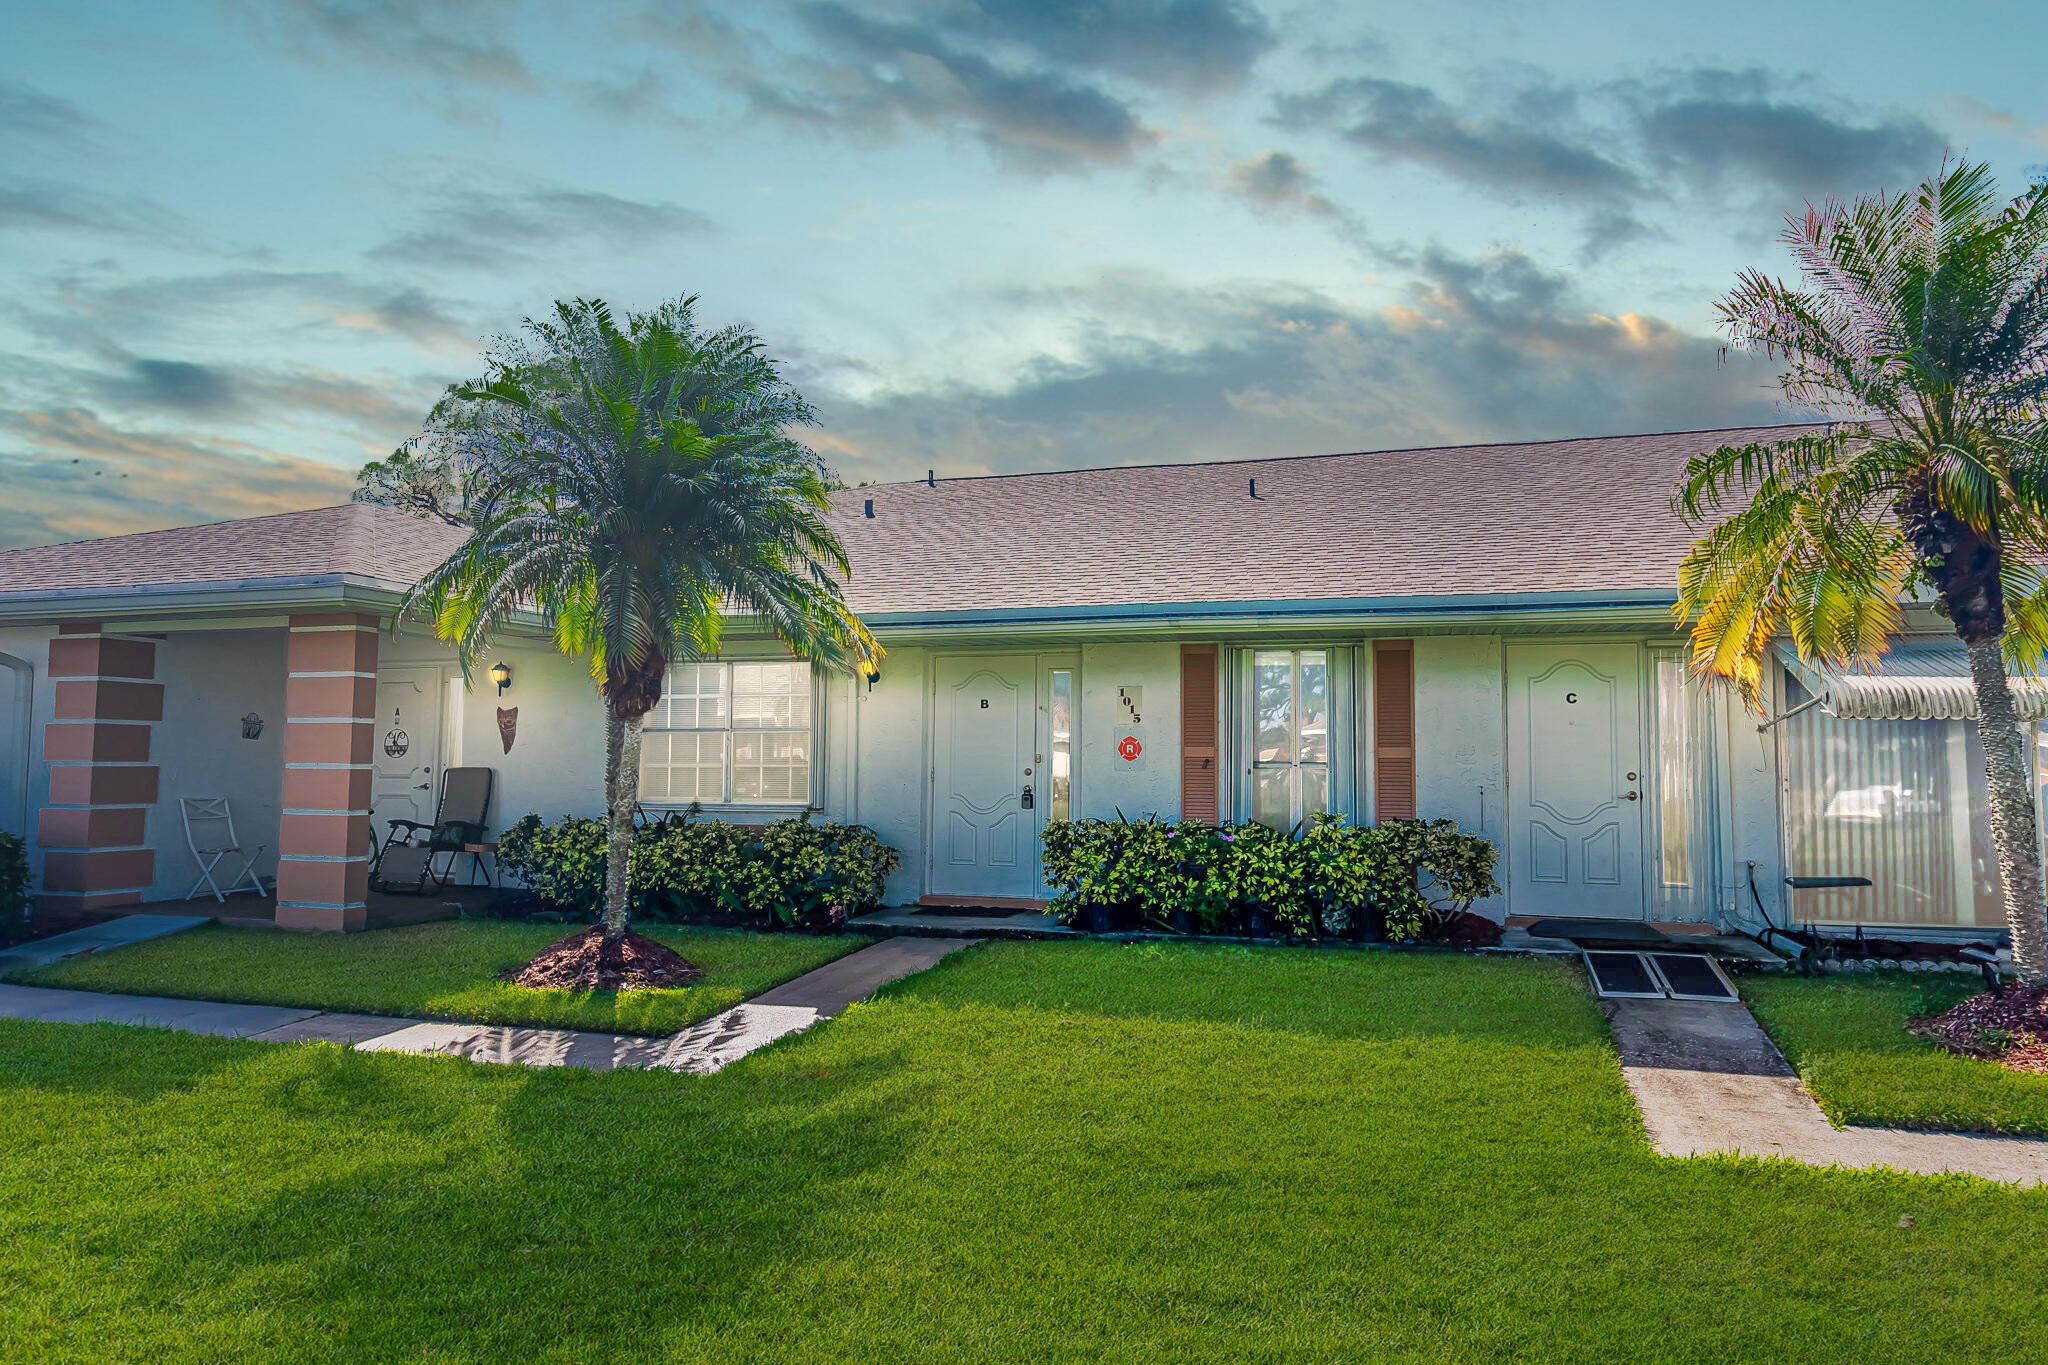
(1330, 879)
(13, 878)
(793, 873)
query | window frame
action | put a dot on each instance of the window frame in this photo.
(1335, 688)
(813, 729)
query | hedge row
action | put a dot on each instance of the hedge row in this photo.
(1395, 879)
(793, 874)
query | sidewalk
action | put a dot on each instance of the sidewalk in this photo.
(1707, 1078)
(701, 1049)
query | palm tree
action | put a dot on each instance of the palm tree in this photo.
(631, 484)
(1921, 324)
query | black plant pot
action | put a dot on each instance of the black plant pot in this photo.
(1100, 919)
(1258, 924)
(1183, 921)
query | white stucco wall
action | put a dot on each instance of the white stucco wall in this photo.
(1107, 782)
(882, 732)
(211, 680)
(1461, 740)
(556, 763)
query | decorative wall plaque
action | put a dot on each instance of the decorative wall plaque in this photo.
(508, 726)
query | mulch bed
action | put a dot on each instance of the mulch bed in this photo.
(2009, 1027)
(585, 961)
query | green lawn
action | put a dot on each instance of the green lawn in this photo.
(1847, 1035)
(1044, 1151)
(442, 970)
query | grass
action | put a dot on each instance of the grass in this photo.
(1847, 1036)
(442, 970)
(1044, 1151)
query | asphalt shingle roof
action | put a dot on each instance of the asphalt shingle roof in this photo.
(1586, 515)
(370, 542)
(1590, 515)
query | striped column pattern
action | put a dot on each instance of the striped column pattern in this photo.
(94, 829)
(323, 867)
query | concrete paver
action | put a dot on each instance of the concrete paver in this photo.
(1707, 1078)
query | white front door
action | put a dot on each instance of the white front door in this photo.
(984, 825)
(407, 745)
(1575, 831)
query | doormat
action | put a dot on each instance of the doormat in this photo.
(1591, 933)
(1658, 976)
(972, 911)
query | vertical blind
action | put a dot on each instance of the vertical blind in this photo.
(1901, 802)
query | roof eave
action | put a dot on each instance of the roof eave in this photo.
(221, 597)
(1613, 607)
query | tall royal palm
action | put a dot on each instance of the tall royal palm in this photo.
(631, 483)
(1921, 324)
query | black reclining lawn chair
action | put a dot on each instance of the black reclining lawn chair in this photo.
(406, 862)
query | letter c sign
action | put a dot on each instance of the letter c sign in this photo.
(1571, 699)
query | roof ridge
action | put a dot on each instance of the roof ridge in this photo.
(1339, 454)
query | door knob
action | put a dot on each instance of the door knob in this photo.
(1629, 796)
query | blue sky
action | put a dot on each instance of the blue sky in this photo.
(244, 245)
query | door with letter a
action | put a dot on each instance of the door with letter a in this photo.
(407, 745)
(990, 780)
(1575, 763)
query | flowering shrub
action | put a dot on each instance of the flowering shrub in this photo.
(1331, 879)
(796, 873)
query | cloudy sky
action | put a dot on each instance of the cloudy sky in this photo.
(244, 245)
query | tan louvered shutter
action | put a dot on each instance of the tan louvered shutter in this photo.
(1198, 725)
(1393, 729)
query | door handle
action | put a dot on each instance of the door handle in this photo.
(1629, 796)
(1026, 801)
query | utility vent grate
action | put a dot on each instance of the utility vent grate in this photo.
(1658, 976)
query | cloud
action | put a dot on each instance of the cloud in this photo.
(446, 40)
(106, 319)
(1716, 127)
(1278, 183)
(1192, 45)
(1403, 122)
(71, 475)
(1475, 348)
(48, 205)
(1030, 118)
(485, 230)
(28, 114)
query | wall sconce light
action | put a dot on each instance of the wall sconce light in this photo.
(252, 726)
(501, 674)
(874, 672)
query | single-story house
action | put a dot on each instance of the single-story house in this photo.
(1480, 632)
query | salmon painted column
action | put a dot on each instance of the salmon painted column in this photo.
(96, 853)
(323, 844)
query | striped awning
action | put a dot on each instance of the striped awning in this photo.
(1912, 682)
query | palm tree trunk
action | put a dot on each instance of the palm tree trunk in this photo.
(622, 789)
(2014, 831)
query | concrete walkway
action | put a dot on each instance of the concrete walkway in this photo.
(1707, 1078)
(95, 938)
(702, 1049)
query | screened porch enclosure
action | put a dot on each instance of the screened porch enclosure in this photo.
(1883, 777)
